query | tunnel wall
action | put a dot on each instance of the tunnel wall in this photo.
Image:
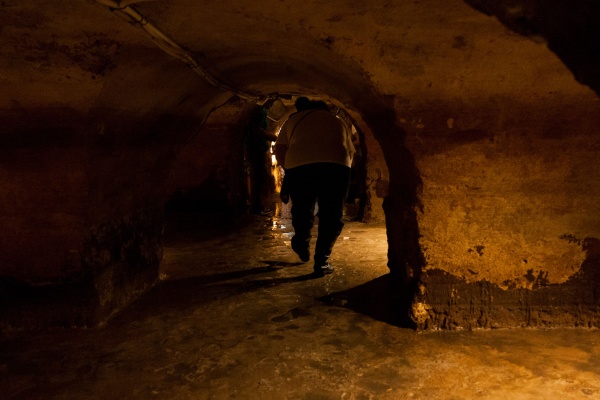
(376, 173)
(43, 192)
(83, 212)
(85, 173)
(511, 211)
(208, 174)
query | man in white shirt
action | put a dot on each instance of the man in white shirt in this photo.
(315, 149)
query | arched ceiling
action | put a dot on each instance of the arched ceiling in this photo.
(570, 30)
(82, 53)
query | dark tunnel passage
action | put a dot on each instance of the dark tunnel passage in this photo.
(478, 133)
(213, 210)
(136, 261)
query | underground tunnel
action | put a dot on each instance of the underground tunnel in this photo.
(123, 121)
(480, 132)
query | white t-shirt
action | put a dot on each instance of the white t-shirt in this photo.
(314, 136)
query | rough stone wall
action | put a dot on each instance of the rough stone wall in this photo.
(85, 173)
(43, 185)
(208, 173)
(569, 29)
(377, 178)
(446, 301)
(509, 199)
(121, 260)
(82, 204)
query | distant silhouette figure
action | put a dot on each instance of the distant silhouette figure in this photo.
(258, 142)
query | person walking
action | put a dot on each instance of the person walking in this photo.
(315, 149)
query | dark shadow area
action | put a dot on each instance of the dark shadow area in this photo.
(382, 299)
(228, 276)
(277, 264)
(185, 294)
(61, 305)
(389, 298)
(197, 226)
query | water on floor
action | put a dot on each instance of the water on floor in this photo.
(238, 316)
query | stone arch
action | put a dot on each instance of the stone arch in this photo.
(394, 180)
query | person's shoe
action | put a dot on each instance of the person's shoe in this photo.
(322, 270)
(302, 250)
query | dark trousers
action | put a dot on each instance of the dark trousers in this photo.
(325, 184)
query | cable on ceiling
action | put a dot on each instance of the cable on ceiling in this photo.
(169, 46)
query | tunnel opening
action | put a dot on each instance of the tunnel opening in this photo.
(383, 203)
(220, 184)
(267, 184)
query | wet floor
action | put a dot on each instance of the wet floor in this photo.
(238, 316)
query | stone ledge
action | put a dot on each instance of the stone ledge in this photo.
(448, 302)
